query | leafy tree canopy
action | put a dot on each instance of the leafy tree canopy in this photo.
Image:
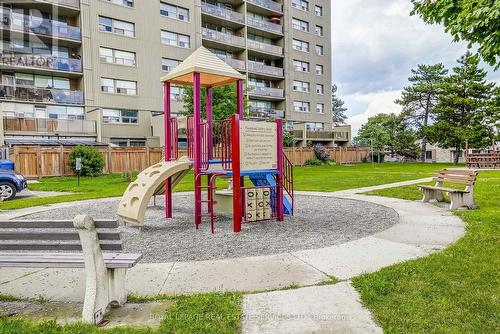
(474, 21)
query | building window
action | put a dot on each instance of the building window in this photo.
(301, 86)
(301, 4)
(174, 12)
(116, 26)
(126, 3)
(118, 86)
(300, 45)
(300, 66)
(301, 106)
(320, 108)
(121, 116)
(113, 56)
(177, 93)
(319, 50)
(428, 155)
(125, 142)
(320, 89)
(319, 69)
(168, 64)
(314, 126)
(318, 10)
(319, 31)
(175, 39)
(300, 25)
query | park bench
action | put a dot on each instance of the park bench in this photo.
(72, 244)
(458, 197)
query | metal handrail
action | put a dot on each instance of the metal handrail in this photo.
(222, 12)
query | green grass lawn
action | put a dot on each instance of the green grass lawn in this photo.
(453, 291)
(314, 178)
(217, 313)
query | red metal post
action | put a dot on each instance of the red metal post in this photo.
(209, 123)
(239, 97)
(197, 147)
(279, 145)
(168, 144)
(237, 200)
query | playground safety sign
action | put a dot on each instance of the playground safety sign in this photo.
(258, 145)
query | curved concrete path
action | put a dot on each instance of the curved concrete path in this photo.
(424, 228)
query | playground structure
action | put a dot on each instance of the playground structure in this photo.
(235, 149)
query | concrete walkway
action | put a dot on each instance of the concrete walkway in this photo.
(424, 228)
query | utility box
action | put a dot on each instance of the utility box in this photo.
(7, 164)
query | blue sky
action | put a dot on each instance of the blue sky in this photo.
(375, 44)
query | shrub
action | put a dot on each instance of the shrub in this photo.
(92, 160)
(288, 140)
(313, 162)
(321, 153)
(378, 156)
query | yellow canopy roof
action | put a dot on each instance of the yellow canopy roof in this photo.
(214, 71)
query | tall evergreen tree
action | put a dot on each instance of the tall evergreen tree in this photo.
(338, 110)
(463, 108)
(420, 98)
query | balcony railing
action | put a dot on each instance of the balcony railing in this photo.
(47, 125)
(298, 134)
(222, 12)
(68, 3)
(266, 113)
(259, 46)
(235, 63)
(321, 134)
(265, 25)
(40, 61)
(37, 25)
(223, 37)
(266, 91)
(254, 66)
(43, 95)
(269, 4)
(341, 135)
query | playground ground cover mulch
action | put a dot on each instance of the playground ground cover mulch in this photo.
(318, 222)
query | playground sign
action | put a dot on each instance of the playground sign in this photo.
(258, 145)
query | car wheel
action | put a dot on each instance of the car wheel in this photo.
(7, 190)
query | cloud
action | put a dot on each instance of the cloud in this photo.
(375, 44)
(376, 103)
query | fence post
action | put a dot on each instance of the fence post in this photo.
(38, 162)
(109, 165)
(61, 160)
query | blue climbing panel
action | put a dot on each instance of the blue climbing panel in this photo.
(267, 179)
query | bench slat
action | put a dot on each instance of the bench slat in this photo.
(65, 260)
(43, 224)
(108, 245)
(452, 190)
(450, 179)
(26, 235)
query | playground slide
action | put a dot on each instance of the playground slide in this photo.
(261, 180)
(150, 181)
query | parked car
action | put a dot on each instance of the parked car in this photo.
(11, 183)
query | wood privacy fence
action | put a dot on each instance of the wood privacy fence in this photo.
(489, 159)
(40, 161)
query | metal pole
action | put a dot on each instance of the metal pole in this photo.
(209, 122)
(167, 139)
(279, 146)
(239, 97)
(197, 147)
(235, 156)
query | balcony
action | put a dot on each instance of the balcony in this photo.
(269, 4)
(266, 91)
(265, 25)
(39, 26)
(341, 136)
(264, 47)
(320, 135)
(266, 113)
(298, 134)
(67, 3)
(222, 12)
(223, 37)
(41, 95)
(50, 126)
(257, 67)
(235, 63)
(47, 62)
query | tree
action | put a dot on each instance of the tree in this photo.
(338, 110)
(477, 22)
(464, 112)
(389, 132)
(420, 98)
(223, 102)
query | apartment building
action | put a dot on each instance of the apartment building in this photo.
(89, 70)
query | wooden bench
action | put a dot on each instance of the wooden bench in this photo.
(458, 197)
(33, 244)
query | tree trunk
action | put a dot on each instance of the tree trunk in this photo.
(424, 149)
(457, 154)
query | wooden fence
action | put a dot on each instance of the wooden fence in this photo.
(40, 161)
(490, 159)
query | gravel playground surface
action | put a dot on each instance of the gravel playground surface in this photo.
(318, 222)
